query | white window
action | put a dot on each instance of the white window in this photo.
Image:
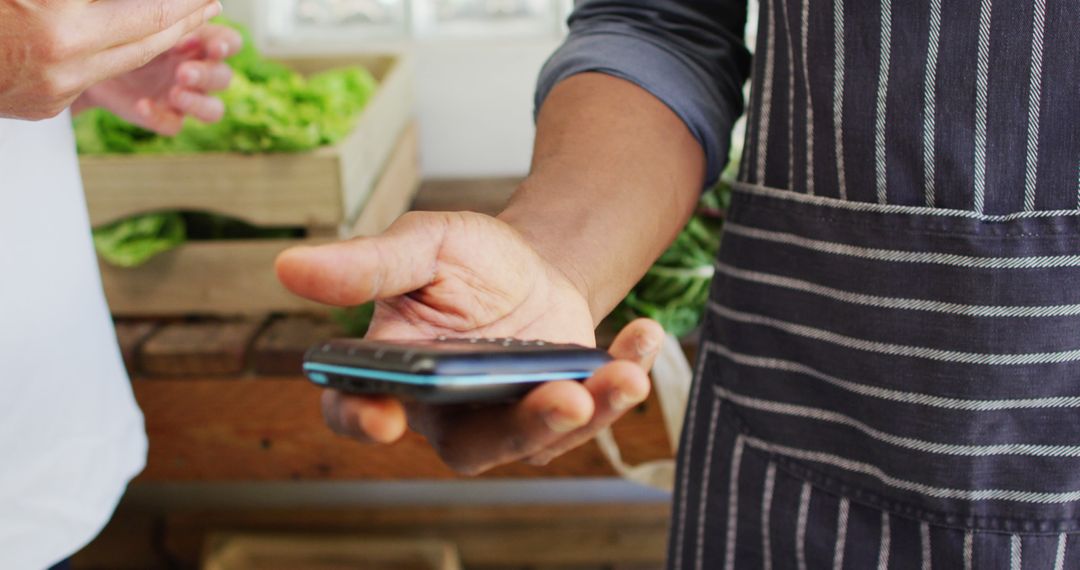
(365, 21)
(477, 18)
(334, 20)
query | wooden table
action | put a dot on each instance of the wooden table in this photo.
(214, 429)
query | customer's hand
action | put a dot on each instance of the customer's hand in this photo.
(464, 274)
(175, 84)
(53, 50)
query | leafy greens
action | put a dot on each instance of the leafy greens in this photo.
(268, 108)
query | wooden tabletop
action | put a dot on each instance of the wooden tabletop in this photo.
(213, 429)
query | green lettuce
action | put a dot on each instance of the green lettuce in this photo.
(268, 108)
(354, 320)
(133, 241)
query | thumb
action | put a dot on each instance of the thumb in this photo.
(401, 260)
(639, 342)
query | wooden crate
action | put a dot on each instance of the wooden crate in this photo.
(237, 277)
(322, 188)
(311, 552)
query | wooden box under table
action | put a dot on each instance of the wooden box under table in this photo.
(356, 187)
(267, 551)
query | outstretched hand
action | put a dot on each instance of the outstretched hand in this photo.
(175, 84)
(51, 52)
(470, 275)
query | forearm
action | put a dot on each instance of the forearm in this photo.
(615, 175)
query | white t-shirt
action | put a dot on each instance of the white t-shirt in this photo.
(71, 435)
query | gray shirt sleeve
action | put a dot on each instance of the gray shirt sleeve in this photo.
(687, 53)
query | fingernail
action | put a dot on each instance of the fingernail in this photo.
(190, 75)
(646, 345)
(212, 10)
(559, 422)
(619, 400)
(185, 99)
(143, 108)
(223, 48)
(538, 460)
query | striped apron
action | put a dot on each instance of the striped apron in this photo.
(889, 375)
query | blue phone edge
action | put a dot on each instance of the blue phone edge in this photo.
(317, 373)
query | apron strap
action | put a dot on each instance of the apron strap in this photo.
(672, 376)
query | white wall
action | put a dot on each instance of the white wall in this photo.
(473, 97)
(475, 104)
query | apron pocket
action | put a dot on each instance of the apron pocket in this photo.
(923, 361)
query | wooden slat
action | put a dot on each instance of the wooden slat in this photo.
(237, 277)
(268, 189)
(556, 536)
(186, 349)
(279, 350)
(321, 188)
(209, 430)
(367, 150)
(207, 278)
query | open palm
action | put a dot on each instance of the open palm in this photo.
(464, 274)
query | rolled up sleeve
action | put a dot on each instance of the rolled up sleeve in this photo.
(688, 53)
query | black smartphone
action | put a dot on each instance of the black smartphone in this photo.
(448, 370)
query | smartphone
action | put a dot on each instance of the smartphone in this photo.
(448, 370)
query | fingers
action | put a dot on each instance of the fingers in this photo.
(122, 22)
(123, 58)
(203, 76)
(203, 107)
(639, 342)
(617, 387)
(472, 441)
(162, 119)
(401, 260)
(196, 78)
(549, 421)
(365, 418)
(217, 42)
